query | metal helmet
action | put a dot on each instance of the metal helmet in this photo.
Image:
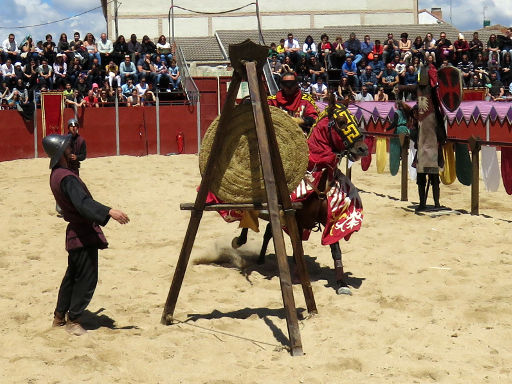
(54, 146)
(73, 122)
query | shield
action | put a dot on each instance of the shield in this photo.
(450, 87)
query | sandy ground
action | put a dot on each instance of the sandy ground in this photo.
(432, 297)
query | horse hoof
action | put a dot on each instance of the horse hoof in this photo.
(344, 291)
(234, 243)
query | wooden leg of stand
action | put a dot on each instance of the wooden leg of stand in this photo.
(181, 267)
(298, 253)
(282, 190)
(199, 204)
(273, 206)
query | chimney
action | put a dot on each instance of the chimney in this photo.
(437, 12)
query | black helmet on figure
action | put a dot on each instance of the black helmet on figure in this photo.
(73, 122)
(54, 146)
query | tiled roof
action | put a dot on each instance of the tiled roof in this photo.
(200, 48)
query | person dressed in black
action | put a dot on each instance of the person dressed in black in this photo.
(83, 234)
(78, 147)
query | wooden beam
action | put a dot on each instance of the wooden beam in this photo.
(239, 206)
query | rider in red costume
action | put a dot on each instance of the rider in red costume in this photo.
(300, 106)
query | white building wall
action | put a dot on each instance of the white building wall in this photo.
(340, 19)
(426, 18)
(388, 19)
(150, 16)
(290, 21)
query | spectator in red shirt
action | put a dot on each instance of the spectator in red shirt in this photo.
(91, 100)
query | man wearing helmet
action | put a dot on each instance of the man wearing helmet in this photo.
(300, 106)
(78, 148)
(83, 234)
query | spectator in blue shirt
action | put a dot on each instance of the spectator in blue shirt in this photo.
(353, 48)
(377, 66)
(369, 80)
(410, 84)
(349, 70)
(128, 70)
(128, 88)
(366, 46)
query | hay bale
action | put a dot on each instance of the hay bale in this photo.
(239, 177)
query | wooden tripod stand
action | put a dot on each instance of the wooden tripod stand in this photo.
(247, 59)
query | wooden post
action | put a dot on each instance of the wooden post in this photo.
(475, 182)
(348, 170)
(197, 213)
(404, 145)
(288, 206)
(268, 160)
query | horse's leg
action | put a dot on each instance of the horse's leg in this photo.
(341, 286)
(237, 242)
(266, 238)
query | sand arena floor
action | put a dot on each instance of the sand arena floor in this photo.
(432, 297)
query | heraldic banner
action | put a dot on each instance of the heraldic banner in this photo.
(52, 107)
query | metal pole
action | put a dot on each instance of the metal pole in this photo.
(260, 34)
(115, 19)
(218, 95)
(117, 126)
(172, 20)
(198, 110)
(157, 123)
(35, 127)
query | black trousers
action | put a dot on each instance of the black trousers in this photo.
(421, 179)
(79, 282)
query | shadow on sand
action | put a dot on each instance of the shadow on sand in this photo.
(93, 320)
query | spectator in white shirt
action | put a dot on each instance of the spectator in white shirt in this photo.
(10, 49)
(319, 89)
(163, 48)
(309, 47)
(293, 49)
(142, 87)
(8, 73)
(364, 95)
(105, 48)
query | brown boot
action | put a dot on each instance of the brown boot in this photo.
(75, 328)
(58, 320)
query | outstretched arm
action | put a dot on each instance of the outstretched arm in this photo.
(87, 206)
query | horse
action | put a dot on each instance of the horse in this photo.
(328, 193)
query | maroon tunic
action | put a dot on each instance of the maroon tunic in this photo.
(81, 232)
(76, 148)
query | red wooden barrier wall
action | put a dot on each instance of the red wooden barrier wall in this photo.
(137, 127)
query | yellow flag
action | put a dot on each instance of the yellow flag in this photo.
(381, 154)
(448, 174)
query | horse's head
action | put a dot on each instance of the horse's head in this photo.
(344, 124)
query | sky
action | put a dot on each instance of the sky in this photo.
(30, 12)
(467, 15)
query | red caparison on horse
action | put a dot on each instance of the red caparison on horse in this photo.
(328, 197)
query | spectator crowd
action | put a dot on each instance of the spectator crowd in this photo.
(387, 69)
(90, 72)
